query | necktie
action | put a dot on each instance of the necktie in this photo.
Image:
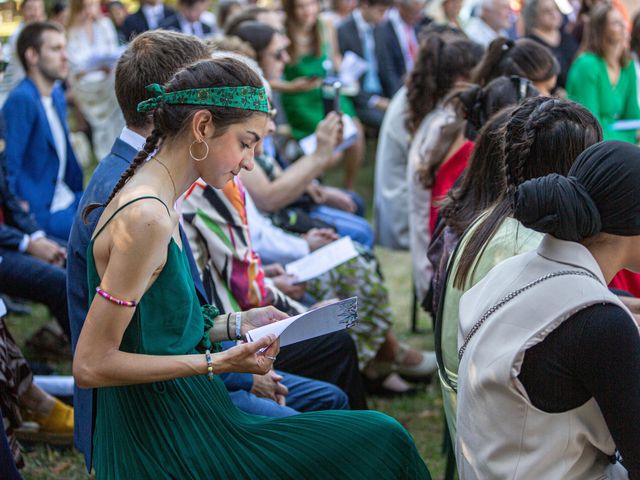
(411, 42)
(371, 82)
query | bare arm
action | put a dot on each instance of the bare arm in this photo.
(273, 195)
(131, 257)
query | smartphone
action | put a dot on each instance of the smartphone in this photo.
(331, 97)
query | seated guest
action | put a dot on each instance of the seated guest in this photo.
(152, 353)
(444, 62)
(117, 12)
(237, 265)
(543, 23)
(492, 22)
(397, 44)
(314, 57)
(390, 189)
(148, 17)
(547, 378)
(275, 189)
(32, 11)
(603, 78)
(535, 128)
(32, 265)
(187, 19)
(524, 58)
(355, 34)
(93, 49)
(155, 55)
(19, 395)
(42, 167)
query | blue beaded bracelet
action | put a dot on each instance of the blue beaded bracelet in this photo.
(207, 355)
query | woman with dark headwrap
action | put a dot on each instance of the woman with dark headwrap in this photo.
(550, 359)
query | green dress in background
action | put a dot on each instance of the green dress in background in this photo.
(588, 84)
(188, 428)
(305, 110)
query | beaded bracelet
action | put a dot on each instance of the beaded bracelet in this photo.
(117, 301)
(207, 355)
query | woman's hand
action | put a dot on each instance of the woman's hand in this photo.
(273, 270)
(269, 386)
(339, 199)
(328, 134)
(258, 317)
(247, 358)
(287, 284)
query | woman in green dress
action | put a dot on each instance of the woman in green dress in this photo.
(161, 410)
(603, 79)
(313, 54)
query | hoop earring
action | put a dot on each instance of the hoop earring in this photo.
(193, 156)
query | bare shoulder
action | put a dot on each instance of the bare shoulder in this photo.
(141, 224)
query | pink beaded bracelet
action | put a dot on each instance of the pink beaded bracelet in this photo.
(124, 303)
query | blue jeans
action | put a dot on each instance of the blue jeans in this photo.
(305, 395)
(347, 224)
(24, 276)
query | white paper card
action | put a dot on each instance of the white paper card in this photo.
(350, 135)
(314, 323)
(322, 260)
(352, 68)
(622, 125)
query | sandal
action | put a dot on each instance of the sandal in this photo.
(423, 370)
(388, 386)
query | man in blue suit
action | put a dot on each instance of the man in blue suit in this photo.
(397, 43)
(148, 17)
(152, 57)
(43, 170)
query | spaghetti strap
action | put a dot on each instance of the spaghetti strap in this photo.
(126, 205)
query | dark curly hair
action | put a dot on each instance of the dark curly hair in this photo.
(170, 120)
(542, 136)
(443, 59)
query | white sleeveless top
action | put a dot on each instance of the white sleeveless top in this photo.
(500, 433)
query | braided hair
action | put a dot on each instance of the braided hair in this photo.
(542, 136)
(171, 120)
(443, 59)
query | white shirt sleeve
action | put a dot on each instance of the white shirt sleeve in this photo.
(272, 243)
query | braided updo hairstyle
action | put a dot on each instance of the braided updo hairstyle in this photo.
(170, 121)
(542, 136)
(443, 59)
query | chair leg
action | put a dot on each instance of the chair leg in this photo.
(414, 311)
(448, 450)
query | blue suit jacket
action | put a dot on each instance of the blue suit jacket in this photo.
(32, 159)
(391, 66)
(98, 190)
(136, 23)
(17, 222)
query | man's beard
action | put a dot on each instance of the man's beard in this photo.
(50, 74)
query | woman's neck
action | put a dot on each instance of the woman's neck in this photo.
(610, 255)
(177, 168)
(612, 54)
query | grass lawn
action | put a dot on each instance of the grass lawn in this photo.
(420, 414)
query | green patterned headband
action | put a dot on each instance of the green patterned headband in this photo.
(246, 98)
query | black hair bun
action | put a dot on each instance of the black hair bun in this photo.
(557, 205)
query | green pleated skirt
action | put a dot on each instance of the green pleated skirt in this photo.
(189, 429)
